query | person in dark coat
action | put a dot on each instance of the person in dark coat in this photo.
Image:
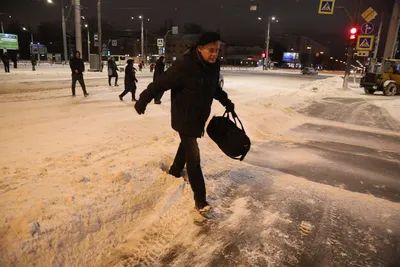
(159, 70)
(78, 68)
(33, 61)
(112, 71)
(130, 81)
(194, 84)
(6, 62)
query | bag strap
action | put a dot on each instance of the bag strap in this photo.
(234, 117)
(241, 158)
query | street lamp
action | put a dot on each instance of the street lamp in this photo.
(88, 42)
(24, 29)
(2, 27)
(267, 37)
(259, 18)
(64, 28)
(142, 37)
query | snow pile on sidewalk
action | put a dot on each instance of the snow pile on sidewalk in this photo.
(325, 85)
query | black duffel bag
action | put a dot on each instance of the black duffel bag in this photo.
(231, 139)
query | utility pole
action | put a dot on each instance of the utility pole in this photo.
(99, 29)
(88, 41)
(142, 36)
(378, 38)
(350, 51)
(78, 29)
(267, 37)
(393, 31)
(165, 43)
(64, 30)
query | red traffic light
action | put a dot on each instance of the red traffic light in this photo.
(263, 55)
(353, 33)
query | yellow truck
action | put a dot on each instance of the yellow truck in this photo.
(385, 78)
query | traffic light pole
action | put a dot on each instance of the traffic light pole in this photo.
(100, 35)
(350, 51)
(64, 31)
(393, 31)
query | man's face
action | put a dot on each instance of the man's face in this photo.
(209, 52)
(77, 54)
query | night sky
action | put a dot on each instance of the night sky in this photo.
(232, 17)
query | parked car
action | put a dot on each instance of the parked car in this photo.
(309, 71)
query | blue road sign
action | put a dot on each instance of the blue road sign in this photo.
(326, 7)
(365, 42)
(367, 28)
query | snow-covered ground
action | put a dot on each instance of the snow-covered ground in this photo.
(83, 180)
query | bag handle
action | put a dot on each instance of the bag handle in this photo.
(235, 117)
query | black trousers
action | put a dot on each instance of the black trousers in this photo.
(189, 154)
(7, 67)
(127, 90)
(78, 77)
(116, 79)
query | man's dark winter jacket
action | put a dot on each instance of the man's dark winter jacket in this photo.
(77, 64)
(112, 68)
(130, 77)
(194, 85)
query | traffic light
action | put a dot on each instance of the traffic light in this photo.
(353, 33)
(263, 55)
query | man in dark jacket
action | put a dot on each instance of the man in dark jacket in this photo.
(33, 61)
(159, 70)
(112, 71)
(6, 62)
(130, 81)
(77, 68)
(194, 84)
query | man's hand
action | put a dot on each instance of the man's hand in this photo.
(140, 106)
(230, 107)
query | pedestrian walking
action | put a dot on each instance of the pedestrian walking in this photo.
(159, 70)
(6, 62)
(194, 84)
(130, 81)
(78, 68)
(34, 62)
(112, 71)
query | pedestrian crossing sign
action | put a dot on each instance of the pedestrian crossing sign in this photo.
(365, 42)
(326, 7)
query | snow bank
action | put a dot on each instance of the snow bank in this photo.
(325, 85)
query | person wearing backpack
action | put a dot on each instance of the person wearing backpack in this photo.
(194, 83)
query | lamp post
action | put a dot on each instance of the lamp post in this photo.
(64, 28)
(88, 42)
(142, 37)
(1, 14)
(24, 28)
(267, 38)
